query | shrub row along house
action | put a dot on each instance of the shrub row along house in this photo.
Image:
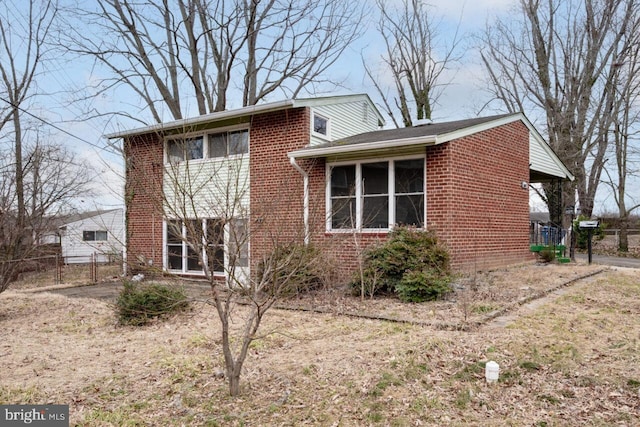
(323, 171)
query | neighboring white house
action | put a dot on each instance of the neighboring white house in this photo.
(99, 233)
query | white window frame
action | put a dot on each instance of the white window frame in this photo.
(95, 235)
(227, 244)
(313, 127)
(359, 193)
(206, 156)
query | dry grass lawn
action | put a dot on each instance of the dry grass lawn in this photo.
(572, 360)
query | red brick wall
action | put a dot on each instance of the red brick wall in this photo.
(276, 187)
(475, 201)
(143, 199)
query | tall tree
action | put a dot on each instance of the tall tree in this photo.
(625, 135)
(416, 57)
(174, 53)
(51, 180)
(24, 29)
(559, 59)
(23, 34)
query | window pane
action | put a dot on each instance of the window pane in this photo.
(343, 181)
(215, 232)
(88, 236)
(238, 142)
(410, 210)
(175, 151)
(101, 235)
(375, 178)
(375, 212)
(238, 243)
(218, 145)
(409, 176)
(215, 244)
(319, 124)
(194, 148)
(174, 253)
(216, 259)
(193, 260)
(174, 232)
(343, 212)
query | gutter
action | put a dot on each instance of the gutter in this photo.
(311, 152)
(220, 115)
(305, 208)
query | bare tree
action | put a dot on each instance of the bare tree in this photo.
(625, 133)
(24, 28)
(416, 56)
(23, 33)
(51, 180)
(560, 59)
(174, 53)
(208, 232)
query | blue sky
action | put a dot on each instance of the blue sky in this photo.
(460, 99)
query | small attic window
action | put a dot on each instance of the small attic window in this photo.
(320, 125)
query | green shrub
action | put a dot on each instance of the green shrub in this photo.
(291, 270)
(426, 285)
(137, 304)
(547, 254)
(411, 264)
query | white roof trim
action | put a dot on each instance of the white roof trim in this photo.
(246, 111)
(177, 124)
(439, 139)
(340, 149)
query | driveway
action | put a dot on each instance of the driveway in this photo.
(109, 291)
(611, 260)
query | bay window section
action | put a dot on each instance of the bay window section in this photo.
(377, 195)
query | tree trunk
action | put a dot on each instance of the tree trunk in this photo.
(623, 242)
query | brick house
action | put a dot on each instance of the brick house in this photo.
(324, 171)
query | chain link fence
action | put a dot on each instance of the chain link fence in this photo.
(55, 270)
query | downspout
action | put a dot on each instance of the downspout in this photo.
(305, 204)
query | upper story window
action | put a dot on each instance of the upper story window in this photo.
(320, 125)
(376, 195)
(227, 144)
(212, 145)
(179, 150)
(94, 236)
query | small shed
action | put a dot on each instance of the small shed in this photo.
(97, 233)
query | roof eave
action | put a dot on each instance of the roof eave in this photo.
(222, 115)
(310, 152)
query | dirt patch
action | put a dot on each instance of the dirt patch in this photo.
(572, 361)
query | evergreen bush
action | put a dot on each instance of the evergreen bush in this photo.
(137, 304)
(410, 264)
